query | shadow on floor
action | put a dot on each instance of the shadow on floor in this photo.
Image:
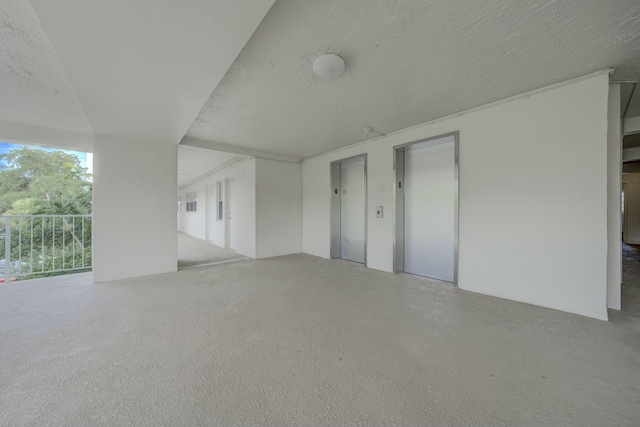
(193, 251)
(631, 279)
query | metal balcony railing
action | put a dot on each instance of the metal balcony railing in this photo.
(44, 245)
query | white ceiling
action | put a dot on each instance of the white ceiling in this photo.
(407, 62)
(143, 69)
(34, 89)
(195, 162)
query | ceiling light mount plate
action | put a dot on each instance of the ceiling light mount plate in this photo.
(328, 65)
(369, 130)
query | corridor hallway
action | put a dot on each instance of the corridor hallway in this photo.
(631, 279)
(193, 251)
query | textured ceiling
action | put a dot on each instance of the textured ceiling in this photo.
(34, 89)
(195, 162)
(407, 62)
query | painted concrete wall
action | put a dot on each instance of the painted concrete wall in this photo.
(631, 183)
(614, 229)
(134, 209)
(533, 197)
(632, 125)
(195, 223)
(279, 208)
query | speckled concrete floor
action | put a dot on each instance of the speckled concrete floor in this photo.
(193, 251)
(300, 340)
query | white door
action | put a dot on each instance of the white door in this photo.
(429, 211)
(232, 215)
(352, 211)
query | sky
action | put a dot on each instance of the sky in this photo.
(86, 159)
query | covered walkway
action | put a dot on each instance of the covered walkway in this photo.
(193, 251)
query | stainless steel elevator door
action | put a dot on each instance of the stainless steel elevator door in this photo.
(352, 211)
(429, 211)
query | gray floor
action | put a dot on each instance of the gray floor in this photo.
(300, 340)
(193, 251)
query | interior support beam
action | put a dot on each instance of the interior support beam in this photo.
(20, 133)
(228, 148)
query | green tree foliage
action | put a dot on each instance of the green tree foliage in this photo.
(36, 182)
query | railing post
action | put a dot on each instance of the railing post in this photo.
(7, 249)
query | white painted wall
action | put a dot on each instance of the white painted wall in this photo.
(632, 208)
(631, 154)
(632, 125)
(134, 209)
(194, 223)
(533, 197)
(614, 182)
(279, 208)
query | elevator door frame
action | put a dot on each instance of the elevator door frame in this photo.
(398, 197)
(336, 219)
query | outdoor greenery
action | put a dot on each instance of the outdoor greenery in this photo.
(37, 182)
(45, 183)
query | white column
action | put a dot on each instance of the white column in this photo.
(134, 209)
(278, 208)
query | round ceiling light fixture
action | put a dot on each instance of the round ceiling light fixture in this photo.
(328, 65)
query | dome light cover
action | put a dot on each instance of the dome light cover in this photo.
(328, 65)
